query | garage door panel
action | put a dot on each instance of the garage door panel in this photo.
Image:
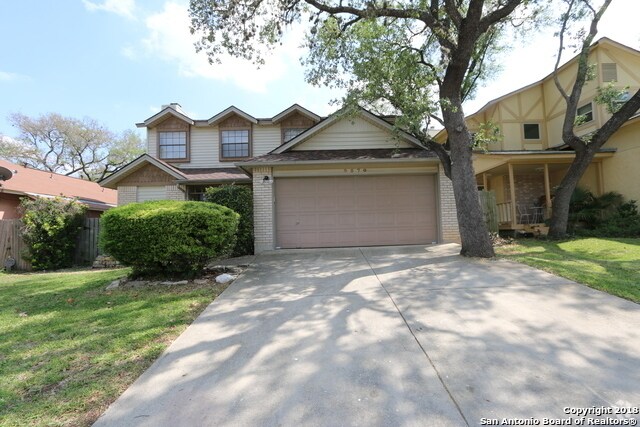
(355, 211)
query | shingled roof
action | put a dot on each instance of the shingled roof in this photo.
(33, 182)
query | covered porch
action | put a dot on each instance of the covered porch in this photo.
(524, 185)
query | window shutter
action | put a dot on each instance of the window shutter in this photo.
(609, 72)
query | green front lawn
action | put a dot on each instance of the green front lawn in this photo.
(611, 265)
(68, 348)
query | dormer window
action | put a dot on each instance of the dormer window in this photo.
(234, 143)
(173, 140)
(173, 145)
(289, 133)
(585, 113)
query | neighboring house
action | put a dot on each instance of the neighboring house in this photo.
(530, 161)
(317, 182)
(29, 182)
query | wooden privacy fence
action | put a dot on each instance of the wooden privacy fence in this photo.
(489, 210)
(12, 245)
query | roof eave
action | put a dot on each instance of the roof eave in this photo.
(341, 161)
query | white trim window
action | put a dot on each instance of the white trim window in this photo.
(585, 113)
(531, 130)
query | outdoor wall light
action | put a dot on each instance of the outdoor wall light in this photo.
(265, 179)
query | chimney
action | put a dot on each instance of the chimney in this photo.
(175, 106)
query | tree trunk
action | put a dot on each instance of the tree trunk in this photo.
(562, 198)
(474, 235)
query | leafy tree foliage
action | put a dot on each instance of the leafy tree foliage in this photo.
(50, 229)
(168, 237)
(417, 59)
(585, 146)
(69, 146)
(240, 200)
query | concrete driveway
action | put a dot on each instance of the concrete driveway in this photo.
(404, 336)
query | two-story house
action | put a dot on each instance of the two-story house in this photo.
(531, 159)
(317, 181)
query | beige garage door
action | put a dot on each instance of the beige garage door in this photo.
(355, 211)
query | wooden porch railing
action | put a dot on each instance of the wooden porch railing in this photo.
(504, 212)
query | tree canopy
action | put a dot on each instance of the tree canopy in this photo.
(417, 59)
(69, 146)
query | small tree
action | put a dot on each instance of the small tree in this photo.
(585, 146)
(239, 199)
(50, 229)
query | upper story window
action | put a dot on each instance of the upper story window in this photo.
(531, 131)
(609, 72)
(234, 143)
(585, 113)
(172, 145)
(289, 133)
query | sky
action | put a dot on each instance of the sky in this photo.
(119, 61)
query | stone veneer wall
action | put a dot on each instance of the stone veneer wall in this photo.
(448, 213)
(263, 210)
(127, 194)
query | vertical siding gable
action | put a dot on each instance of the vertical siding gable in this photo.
(352, 133)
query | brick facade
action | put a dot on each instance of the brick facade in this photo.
(175, 193)
(127, 194)
(448, 213)
(264, 239)
(529, 190)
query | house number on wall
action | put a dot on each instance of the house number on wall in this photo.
(356, 170)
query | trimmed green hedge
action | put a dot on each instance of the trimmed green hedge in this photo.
(168, 237)
(240, 199)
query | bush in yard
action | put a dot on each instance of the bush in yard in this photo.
(50, 228)
(167, 237)
(625, 222)
(240, 199)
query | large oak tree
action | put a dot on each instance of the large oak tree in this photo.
(418, 58)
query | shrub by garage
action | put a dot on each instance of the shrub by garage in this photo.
(240, 199)
(169, 238)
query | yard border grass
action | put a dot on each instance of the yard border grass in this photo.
(606, 264)
(69, 348)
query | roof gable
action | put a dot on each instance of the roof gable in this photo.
(364, 130)
(228, 112)
(164, 114)
(112, 180)
(604, 41)
(295, 108)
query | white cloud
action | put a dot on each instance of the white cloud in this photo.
(169, 39)
(129, 52)
(119, 7)
(7, 77)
